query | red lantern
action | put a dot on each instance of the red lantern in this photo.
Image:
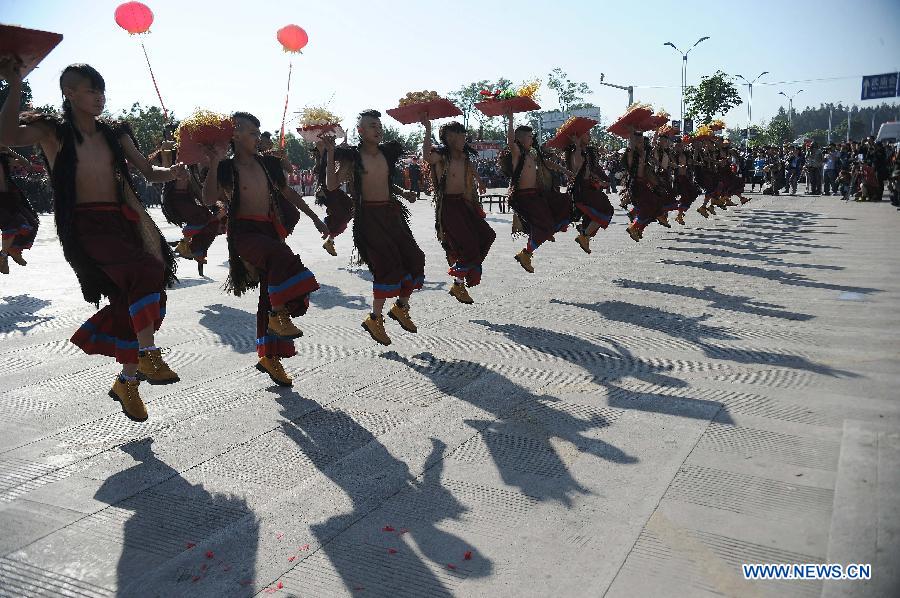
(134, 17)
(292, 38)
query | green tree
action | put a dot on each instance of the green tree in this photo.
(147, 124)
(298, 151)
(25, 104)
(779, 131)
(568, 92)
(715, 95)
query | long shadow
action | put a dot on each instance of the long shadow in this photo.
(235, 328)
(329, 439)
(751, 256)
(716, 299)
(607, 374)
(658, 320)
(520, 414)
(163, 525)
(731, 241)
(329, 297)
(18, 315)
(747, 246)
(792, 279)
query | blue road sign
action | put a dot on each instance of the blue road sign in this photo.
(879, 86)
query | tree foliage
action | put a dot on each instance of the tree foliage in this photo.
(27, 97)
(568, 92)
(147, 123)
(714, 96)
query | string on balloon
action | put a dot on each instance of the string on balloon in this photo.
(155, 85)
(136, 18)
(286, 98)
(292, 39)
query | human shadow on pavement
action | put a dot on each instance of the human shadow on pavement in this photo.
(699, 335)
(18, 314)
(329, 297)
(739, 243)
(165, 522)
(620, 363)
(792, 279)
(753, 257)
(372, 479)
(531, 438)
(716, 299)
(235, 328)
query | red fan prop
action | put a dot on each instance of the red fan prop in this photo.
(503, 107)
(413, 113)
(293, 39)
(576, 126)
(29, 45)
(629, 121)
(311, 133)
(136, 18)
(199, 131)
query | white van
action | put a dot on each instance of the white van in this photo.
(889, 132)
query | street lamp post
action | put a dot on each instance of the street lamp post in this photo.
(749, 85)
(628, 88)
(790, 105)
(684, 56)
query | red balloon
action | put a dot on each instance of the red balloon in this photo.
(134, 17)
(292, 38)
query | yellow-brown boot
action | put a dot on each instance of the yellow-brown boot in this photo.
(703, 211)
(184, 248)
(663, 221)
(400, 314)
(16, 255)
(729, 201)
(634, 232)
(153, 369)
(272, 366)
(459, 291)
(680, 218)
(280, 324)
(584, 242)
(329, 246)
(743, 199)
(126, 393)
(375, 327)
(524, 259)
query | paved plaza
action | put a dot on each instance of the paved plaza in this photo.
(636, 422)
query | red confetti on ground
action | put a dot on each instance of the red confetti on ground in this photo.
(245, 582)
(203, 567)
(190, 545)
(280, 585)
(468, 555)
(279, 535)
(358, 589)
(209, 554)
(269, 590)
(291, 559)
(451, 566)
(304, 547)
(392, 551)
(387, 528)
(195, 579)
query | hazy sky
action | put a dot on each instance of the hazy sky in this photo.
(223, 55)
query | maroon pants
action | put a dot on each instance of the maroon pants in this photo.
(394, 257)
(108, 234)
(199, 223)
(17, 222)
(647, 204)
(467, 237)
(595, 206)
(338, 211)
(687, 190)
(283, 280)
(537, 218)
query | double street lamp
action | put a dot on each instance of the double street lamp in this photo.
(684, 57)
(749, 85)
(790, 105)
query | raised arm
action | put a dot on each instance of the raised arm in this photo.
(13, 134)
(427, 150)
(153, 174)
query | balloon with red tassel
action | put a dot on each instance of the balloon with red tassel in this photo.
(136, 18)
(292, 39)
